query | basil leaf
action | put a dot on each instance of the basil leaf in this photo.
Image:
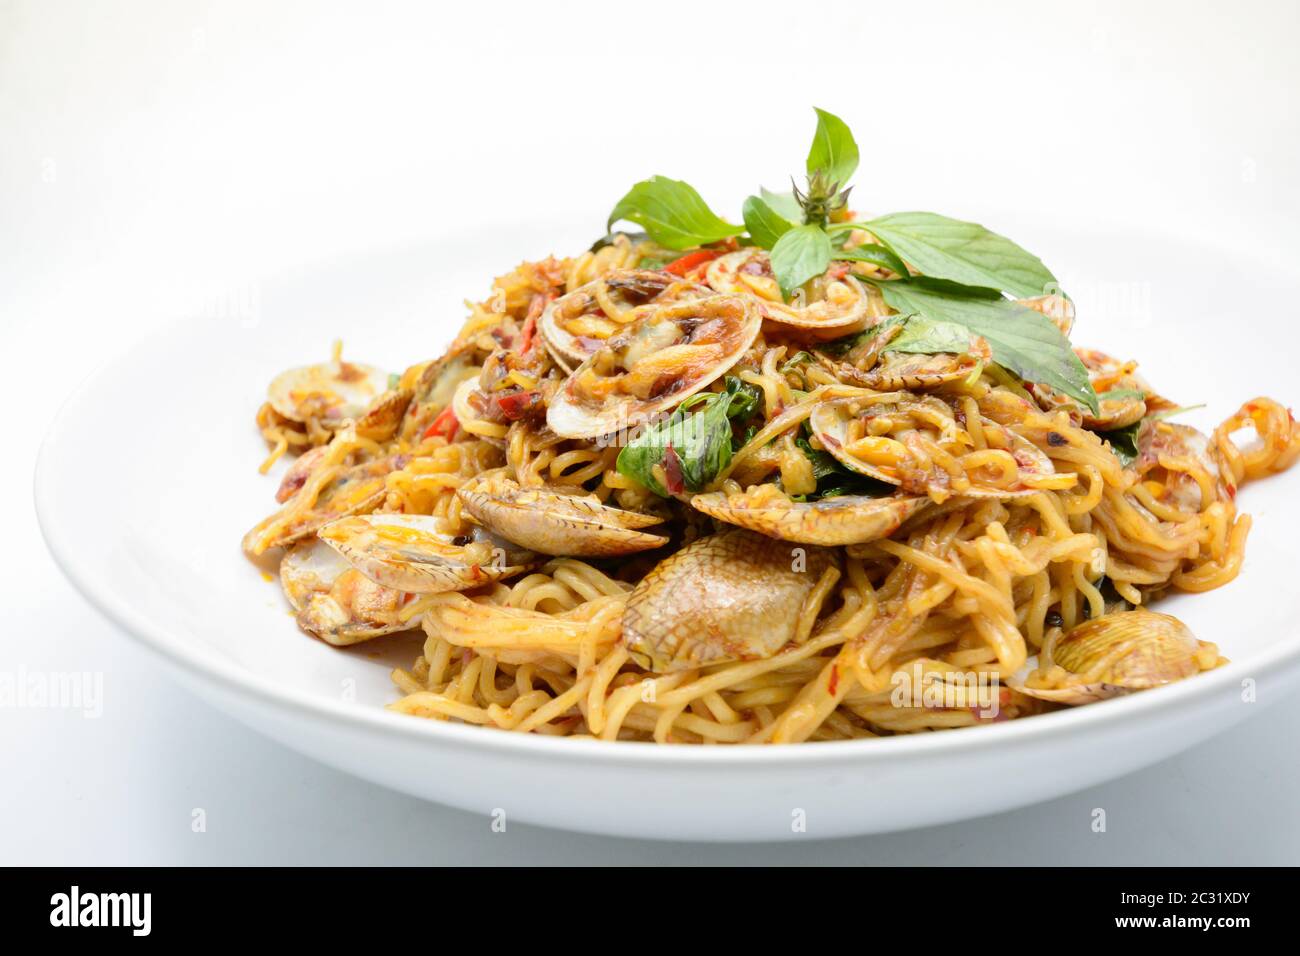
(963, 252)
(833, 150)
(801, 253)
(764, 223)
(1119, 394)
(930, 337)
(672, 213)
(948, 287)
(745, 398)
(877, 255)
(1024, 341)
(783, 204)
(1123, 442)
(700, 441)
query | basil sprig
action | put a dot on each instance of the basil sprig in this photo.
(966, 272)
(688, 447)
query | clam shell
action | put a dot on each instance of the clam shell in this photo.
(848, 305)
(847, 519)
(309, 572)
(557, 524)
(830, 423)
(731, 596)
(330, 391)
(464, 412)
(382, 419)
(416, 553)
(918, 371)
(710, 336)
(628, 288)
(1119, 653)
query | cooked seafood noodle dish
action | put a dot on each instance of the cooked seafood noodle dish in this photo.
(814, 475)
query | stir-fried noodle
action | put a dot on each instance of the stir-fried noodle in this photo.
(876, 515)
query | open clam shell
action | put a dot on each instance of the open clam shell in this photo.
(417, 553)
(577, 325)
(846, 519)
(667, 355)
(328, 391)
(838, 306)
(557, 524)
(919, 371)
(885, 440)
(1123, 396)
(334, 601)
(384, 415)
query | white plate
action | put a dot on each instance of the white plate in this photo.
(148, 480)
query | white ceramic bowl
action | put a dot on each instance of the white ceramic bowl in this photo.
(148, 480)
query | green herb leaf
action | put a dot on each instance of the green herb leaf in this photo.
(673, 214)
(783, 204)
(1024, 341)
(801, 253)
(963, 252)
(1123, 442)
(700, 441)
(834, 150)
(948, 287)
(930, 337)
(1119, 394)
(745, 398)
(877, 255)
(764, 223)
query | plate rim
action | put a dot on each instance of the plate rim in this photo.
(212, 668)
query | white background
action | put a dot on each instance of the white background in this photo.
(156, 156)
